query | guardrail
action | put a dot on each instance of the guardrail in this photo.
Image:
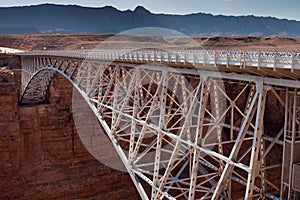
(6, 50)
(257, 58)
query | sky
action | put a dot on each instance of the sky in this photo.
(289, 9)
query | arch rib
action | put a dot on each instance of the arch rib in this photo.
(177, 131)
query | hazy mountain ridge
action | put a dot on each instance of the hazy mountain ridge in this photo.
(76, 19)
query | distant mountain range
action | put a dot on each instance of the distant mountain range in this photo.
(76, 19)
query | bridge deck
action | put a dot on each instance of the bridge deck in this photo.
(275, 64)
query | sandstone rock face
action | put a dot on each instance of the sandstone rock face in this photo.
(42, 156)
(9, 126)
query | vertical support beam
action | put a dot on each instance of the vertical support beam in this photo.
(286, 121)
(74, 70)
(96, 79)
(101, 85)
(217, 111)
(178, 143)
(111, 82)
(175, 87)
(88, 78)
(162, 126)
(197, 140)
(149, 114)
(237, 145)
(114, 95)
(289, 142)
(129, 88)
(293, 133)
(136, 105)
(263, 164)
(80, 77)
(255, 151)
(185, 97)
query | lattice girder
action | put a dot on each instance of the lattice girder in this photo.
(189, 134)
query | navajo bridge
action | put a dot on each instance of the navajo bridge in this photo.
(199, 114)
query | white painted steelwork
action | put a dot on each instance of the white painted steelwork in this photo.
(204, 138)
(251, 58)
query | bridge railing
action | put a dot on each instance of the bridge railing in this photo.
(256, 58)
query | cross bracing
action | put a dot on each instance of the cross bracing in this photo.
(186, 127)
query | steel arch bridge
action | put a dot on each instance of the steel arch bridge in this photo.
(187, 124)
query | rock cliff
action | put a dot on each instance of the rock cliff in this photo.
(42, 156)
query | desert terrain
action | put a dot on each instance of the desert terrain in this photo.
(91, 41)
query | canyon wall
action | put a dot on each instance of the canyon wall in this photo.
(42, 156)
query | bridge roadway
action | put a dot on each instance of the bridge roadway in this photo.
(188, 123)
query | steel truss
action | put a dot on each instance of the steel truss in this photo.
(183, 133)
(290, 188)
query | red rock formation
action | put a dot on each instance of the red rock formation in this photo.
(9, 126)
(42, 156)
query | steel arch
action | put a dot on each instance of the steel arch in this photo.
(179, 171)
